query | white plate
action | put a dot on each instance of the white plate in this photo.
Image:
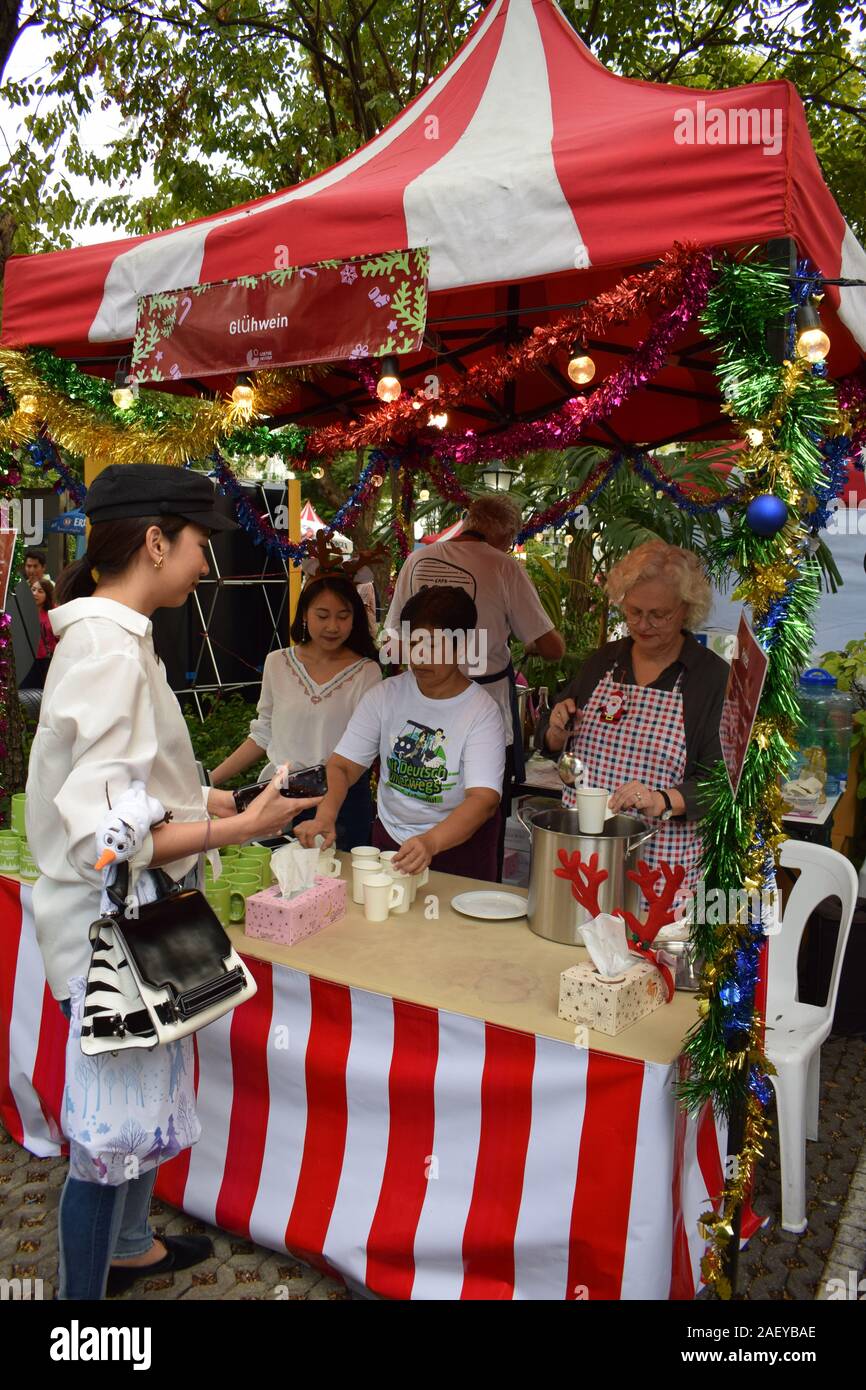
(497, 907)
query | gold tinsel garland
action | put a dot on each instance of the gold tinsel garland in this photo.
(717, 1227)
(191, 427)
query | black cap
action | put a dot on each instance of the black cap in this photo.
(154, 489)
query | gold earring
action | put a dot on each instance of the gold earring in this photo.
(157, 564)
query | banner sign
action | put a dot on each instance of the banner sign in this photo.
(742, 698)
(369, 306)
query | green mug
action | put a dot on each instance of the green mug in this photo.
(256, 858)
(219, 895)
(10, 852)
(229, 852)
(28, 869)
(241, 886)
(16, 819)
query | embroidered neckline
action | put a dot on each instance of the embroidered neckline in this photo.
(317, 692)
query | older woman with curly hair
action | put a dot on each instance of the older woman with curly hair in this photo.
(645, 709)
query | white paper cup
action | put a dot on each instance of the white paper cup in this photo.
(591, 808)
(364, 852)
(361, 870)
(381, 893)
(328, 865)
(407, 881)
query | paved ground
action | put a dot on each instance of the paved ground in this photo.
(777, 1266)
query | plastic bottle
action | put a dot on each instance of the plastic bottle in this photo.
(825, 737)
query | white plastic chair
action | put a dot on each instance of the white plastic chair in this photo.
(796, 1031)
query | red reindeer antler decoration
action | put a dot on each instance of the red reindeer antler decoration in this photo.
(661, 909)
(586, 879)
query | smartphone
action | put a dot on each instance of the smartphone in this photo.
(301, 782)
(305, 781)
(244, 795)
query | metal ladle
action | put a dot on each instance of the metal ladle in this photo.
(569, 765)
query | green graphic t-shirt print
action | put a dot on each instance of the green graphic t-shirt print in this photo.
(418, 765)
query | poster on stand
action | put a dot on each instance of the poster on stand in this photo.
(743, 696)
(7, 557)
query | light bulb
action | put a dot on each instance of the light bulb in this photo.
(317, 472)
(581, 368)
(813, 344)
(424, 495)
(388, 387)
(755, 437)
(569, 540)
(122, 397)
(242, 393)
(28, 405)
(439, 419)
(377, 480)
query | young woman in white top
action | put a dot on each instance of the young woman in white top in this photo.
(441, 742)
(310, 692)
(109, 718)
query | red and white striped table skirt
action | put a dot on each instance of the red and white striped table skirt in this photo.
(419, 1153)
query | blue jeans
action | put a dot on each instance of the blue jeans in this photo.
(97, 1224)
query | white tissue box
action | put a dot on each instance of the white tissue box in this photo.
(606, 1005)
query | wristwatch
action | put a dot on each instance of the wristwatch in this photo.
(669, 809)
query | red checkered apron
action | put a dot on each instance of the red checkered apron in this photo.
(646, 744)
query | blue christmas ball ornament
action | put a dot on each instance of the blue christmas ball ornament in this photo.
(766, 515)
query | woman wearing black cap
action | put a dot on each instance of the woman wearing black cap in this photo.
(109, 719)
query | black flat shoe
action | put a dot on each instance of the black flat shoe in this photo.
(181, 1253)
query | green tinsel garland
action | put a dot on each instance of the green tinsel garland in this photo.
(790, 407)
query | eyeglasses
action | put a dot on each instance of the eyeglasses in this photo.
(633, 616)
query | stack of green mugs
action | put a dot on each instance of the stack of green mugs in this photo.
(245, 870)
(15, 856)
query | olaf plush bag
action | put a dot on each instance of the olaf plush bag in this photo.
(161, 965)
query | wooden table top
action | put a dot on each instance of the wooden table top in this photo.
(497, 971)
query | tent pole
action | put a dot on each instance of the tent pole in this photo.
(293, 502)
(781, 253)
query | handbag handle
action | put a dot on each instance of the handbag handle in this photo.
(119, 890)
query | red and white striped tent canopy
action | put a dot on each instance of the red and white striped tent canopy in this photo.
(447, 535)
(311, 522)
(537, 178)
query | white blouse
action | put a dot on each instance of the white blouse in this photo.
(108, 717)
(300, 722)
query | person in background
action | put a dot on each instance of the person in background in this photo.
(108, 719)
(310, 692)
(479, 561)
(645, 709)
(34, 566)
(43, 596)
(442, 748)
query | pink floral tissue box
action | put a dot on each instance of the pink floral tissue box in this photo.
(289, 920)
(606, 1005)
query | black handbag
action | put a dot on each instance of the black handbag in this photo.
(159, 970)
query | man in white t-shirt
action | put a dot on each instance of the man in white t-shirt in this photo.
(478, 560)
(441, 743)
